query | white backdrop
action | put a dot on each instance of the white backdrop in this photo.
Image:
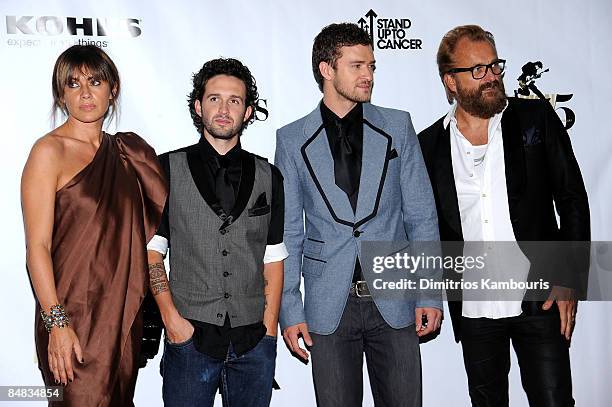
(274, 39)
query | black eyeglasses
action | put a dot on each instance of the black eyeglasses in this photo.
(480, 71)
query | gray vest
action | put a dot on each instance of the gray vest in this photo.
(216, 270)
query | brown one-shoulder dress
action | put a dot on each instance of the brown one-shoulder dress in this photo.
(104, 218)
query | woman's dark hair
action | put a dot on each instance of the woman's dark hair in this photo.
(326, 46)
(84, 58)
(223, 66)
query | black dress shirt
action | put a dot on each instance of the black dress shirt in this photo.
(339, 131)
(203, 161)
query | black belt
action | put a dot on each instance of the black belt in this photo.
(360, 289)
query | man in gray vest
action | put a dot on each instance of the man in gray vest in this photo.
(223, 223)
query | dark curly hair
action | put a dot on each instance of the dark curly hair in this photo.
(223, 66)
(327, 44)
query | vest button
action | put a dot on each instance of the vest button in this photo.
(224, 252)
(225, 274)
(226, 295)
(219, 315)
(356, 233)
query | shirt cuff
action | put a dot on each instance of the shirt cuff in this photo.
(159, 244)
(275, 252)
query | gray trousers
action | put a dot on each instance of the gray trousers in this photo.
(392, 355)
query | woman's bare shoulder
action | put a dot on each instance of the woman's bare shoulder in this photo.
(50, 146)
(46, 155)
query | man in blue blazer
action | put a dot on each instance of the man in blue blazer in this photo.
(353, 171)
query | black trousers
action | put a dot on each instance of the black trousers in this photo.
(541, 350)
(392, 355)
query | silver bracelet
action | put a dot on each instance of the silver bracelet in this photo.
(57, 317)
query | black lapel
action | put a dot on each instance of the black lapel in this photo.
(247, 179)
(448, 213)
(514, 157)
(317, 181)
(445, 184)
(196, 167)
(380, 159)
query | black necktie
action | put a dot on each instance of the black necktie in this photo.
(346, 167)
(223, 187)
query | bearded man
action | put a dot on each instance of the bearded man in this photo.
(499, 168)
(223, 226)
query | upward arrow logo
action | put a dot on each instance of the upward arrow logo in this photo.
(371, 15)
(362, 23)
(389, 33)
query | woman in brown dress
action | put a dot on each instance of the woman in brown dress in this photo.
(91, 201)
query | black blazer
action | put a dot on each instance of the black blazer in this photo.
(541, 174)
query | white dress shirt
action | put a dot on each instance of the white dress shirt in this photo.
(480, 180)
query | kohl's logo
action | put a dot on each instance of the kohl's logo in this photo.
(81, 26)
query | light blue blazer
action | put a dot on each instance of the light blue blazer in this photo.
(395, 203)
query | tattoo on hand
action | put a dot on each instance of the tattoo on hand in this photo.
(157, 278)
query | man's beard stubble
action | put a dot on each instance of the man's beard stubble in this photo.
(474, 102)
(352, 95)
(219, 133)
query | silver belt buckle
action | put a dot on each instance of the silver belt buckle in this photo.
(358, 289)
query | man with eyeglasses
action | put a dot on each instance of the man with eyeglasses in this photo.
(499, 167)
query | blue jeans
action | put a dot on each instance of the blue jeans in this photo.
(191, 378)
